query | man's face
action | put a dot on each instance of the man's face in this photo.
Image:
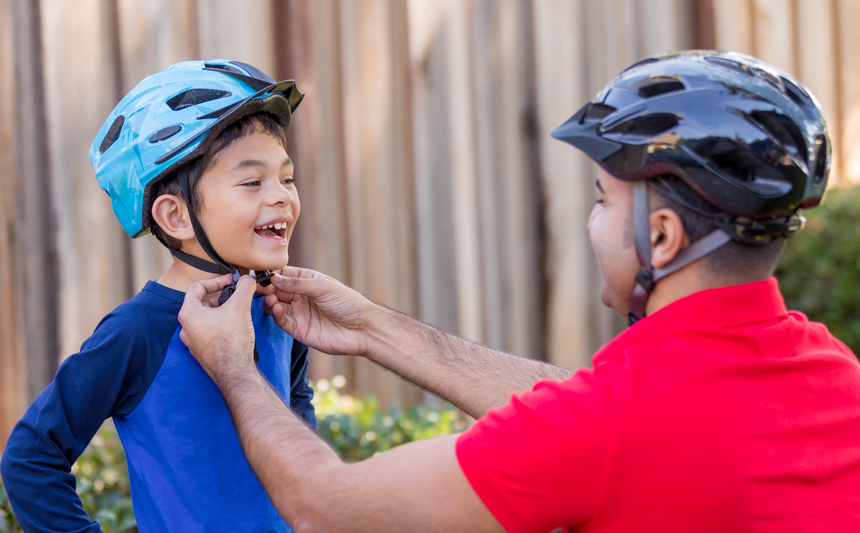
(250, 204)
(610, 229)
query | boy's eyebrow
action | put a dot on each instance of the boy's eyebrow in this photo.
(249, 163)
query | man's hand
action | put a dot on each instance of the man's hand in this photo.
(220, 338)
(319, 311)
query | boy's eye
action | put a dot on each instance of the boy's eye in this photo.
(598, 201)
(288, 181)
(252, 183)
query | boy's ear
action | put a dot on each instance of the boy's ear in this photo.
(170, 212)
(668, 237)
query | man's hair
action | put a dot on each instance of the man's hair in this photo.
(737, 258)
(258, 122)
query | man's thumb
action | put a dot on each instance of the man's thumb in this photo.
(245, 289)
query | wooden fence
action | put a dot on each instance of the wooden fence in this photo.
(426, 172)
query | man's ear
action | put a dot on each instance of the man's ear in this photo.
(170, 213)
(668, 237)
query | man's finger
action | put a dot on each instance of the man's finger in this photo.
(301, 286)
(245, 289)
(198, 290)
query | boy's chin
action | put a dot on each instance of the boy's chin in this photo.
(271, 265)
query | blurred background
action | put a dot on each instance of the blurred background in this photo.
(426, 172)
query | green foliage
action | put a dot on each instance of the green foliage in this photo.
(819, 273)
(102, 479)
(358, 429)
(355, 428)
(102, 484)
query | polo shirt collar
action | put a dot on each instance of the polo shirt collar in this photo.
(721, 307)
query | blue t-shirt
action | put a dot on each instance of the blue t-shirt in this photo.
(186, 468)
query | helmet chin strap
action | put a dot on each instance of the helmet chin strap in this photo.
(648, 276)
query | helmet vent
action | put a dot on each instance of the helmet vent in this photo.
(219, 66)
(598, 111)
(660, 85)
(782, 129)
(112, 134)
(820, 159)
(193, 97)
(728, 63)
(645, 126)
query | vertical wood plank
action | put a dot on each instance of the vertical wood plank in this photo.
(733, 25)
(13, 363)
(562, 89)
(37, 267)
(430, 40)
(848, 14)
(90, 245)
(817, 67)
(244, 34)
(447, 223)
(510, 241)
(776, 33)
(664, 26)
(378, 163)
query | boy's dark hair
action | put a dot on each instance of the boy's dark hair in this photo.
(745, 260)
(258, 122)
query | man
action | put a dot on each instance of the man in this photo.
(717, 410)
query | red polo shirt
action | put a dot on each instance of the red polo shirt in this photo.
(720, 412)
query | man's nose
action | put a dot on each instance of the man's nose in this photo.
(591, 218)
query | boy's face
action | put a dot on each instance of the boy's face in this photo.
(249, 203)
(610, 229)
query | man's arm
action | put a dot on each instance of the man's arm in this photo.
(414, 487)
(325, 314)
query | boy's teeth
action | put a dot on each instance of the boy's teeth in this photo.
(278, 225)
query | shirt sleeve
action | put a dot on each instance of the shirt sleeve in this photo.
(103, 380)
(539, 462)
(301, 392)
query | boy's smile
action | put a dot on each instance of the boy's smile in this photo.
(249, 203)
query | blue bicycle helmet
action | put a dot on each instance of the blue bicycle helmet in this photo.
(171, 118)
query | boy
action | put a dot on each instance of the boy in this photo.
(212, 133)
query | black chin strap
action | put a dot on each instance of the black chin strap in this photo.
(648, 276)
(219, 266)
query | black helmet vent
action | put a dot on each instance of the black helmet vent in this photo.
(660, 85)
(782, 129)
(219, 66)
(598, 111)
(193, 97)
(820, 159)
(112, 134)
(645, 126)
(728, 63)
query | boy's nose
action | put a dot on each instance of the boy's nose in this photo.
(281, 195)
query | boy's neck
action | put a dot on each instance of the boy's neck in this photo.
(181, 274)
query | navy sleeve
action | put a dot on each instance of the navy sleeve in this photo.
(301, 392)
(108, 377)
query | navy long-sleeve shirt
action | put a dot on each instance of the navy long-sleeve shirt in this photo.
(186, 468)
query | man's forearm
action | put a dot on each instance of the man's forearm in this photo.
(289, 459)
(468, 375)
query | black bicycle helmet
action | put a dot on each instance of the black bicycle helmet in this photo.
(747, 137)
